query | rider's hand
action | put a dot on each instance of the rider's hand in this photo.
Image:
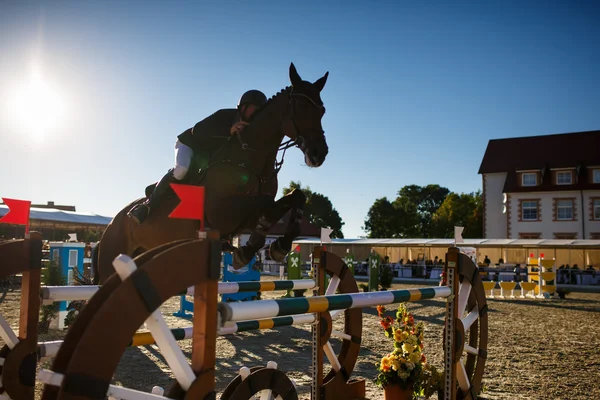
(238, 127)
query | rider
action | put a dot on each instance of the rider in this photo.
(207, 134)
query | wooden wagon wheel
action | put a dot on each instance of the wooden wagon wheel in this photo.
(107, 327)
(471, 334)
(261, 378)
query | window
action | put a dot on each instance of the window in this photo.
(529, 236)
(596, 176)
(596, 211)
(529, 210)
(564, 210)
(564, 178)
(72, 258)
(529, 179)
(565, 236)
(595, 235)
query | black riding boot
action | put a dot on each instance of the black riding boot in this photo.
(140, 212)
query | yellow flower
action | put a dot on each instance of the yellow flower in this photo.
(408, 348)
(395, 364)
(385, 362)
(405, 335)
(412, 339)
(414, 357)
(398, 335)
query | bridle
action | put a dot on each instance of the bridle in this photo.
(291, 107)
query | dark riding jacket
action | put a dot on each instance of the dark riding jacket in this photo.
(212, 132)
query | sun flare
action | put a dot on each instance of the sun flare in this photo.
(37, 108)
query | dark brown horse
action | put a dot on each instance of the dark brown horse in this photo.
(240, 182)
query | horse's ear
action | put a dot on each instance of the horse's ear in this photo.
(320, 83)
(294, 77)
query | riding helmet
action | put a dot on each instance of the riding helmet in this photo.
(255, 97)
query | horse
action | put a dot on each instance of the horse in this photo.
(240, 185)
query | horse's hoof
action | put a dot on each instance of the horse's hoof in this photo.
(242, 256)
(226, 246)
(278, 250)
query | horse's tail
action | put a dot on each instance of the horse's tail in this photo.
(95, 272)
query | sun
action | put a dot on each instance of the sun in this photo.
(37, 107)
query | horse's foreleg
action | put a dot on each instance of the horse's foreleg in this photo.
(283, 245)
(295, 201)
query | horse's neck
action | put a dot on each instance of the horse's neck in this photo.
(265, 135)
(265, 132)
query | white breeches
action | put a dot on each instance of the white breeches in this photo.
(183, 158)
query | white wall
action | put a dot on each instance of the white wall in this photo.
(547, 226)
(590, 226)
(495, 220)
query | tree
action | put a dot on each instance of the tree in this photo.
(425, 212)
(422, 201)
(319, 210)
(382, 220)
(465, 209)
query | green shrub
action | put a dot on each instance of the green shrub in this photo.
(51, 276)
(385, 277)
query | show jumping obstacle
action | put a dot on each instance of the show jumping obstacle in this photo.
(538, 286)
(153, 277)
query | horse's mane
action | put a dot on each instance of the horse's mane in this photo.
(271, 99)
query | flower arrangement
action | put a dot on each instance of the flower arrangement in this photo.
(443, 281)
(406, 366)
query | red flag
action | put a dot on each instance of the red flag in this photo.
(192, 202)
(18, 212)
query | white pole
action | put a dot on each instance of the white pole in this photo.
(163, 337)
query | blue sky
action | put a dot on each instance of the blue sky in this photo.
(416, 88)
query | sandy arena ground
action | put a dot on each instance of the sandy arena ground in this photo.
(538, 349)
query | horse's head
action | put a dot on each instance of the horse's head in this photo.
(302, 122)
